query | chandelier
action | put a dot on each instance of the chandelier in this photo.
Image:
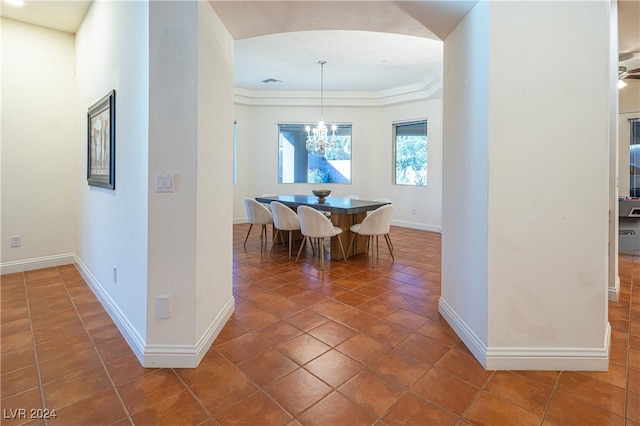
(318, 138)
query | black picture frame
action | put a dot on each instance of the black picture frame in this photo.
(101, 142)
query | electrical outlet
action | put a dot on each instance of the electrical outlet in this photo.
(413, 212)
(115, 274)
(16, 241)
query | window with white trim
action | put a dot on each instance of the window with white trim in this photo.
(410, 153)
(296, 165)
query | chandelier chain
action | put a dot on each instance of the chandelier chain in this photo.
(318, 138)
(322, 88)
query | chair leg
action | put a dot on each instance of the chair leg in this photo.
(247, 237)
(321, 250)
(388, 240)
(300, 250)
(290, 238)
(353, 236)
(342, 248)
(275, 238)
(372, 244)
(263, 237)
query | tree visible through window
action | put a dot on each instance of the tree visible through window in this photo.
(410, 153)
(296, 165)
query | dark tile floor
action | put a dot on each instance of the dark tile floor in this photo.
(347, 346)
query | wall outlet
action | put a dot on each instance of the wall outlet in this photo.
(115, 274)
(163, 306)
(413, 212)
(16, 241)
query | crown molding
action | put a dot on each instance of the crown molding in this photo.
(429, 88)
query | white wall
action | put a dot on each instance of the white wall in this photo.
(549, 209)
(214, 299)
(175, 244)
(371, 155)
(465, 191)
(112, 52)
(191, 122)
(558, 216)
(243, 174)
(39, 173)
(173, 145)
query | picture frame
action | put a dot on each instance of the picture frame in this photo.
(101, 142)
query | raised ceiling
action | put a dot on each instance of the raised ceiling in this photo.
(380, 45)
(355, 61)
(391, 35)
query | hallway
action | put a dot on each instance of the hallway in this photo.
(350, 346)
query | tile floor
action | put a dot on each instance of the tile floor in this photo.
(349, 346)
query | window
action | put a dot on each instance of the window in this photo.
(634, 163)
(410, 153)
(296, 165)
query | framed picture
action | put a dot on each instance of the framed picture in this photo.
(101, 142)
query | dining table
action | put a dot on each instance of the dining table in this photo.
(345, 212)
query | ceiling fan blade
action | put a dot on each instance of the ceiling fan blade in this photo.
(633, 77)
(636, 71)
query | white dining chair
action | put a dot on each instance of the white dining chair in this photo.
(257, 214)
(383, 200)
(314, 224)
(373, 225)
(284, 219)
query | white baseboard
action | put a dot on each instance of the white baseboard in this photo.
(416, 225)
(187, 356)
(157, 356)
(466, 334)
(528, 358)
(614, 292)
(36, 263)
(128, 331)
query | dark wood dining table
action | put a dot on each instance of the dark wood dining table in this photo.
(345, 212)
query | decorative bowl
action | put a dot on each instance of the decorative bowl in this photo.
(321, 194)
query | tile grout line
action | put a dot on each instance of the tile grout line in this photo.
(556, 385)
(104, 366)
(301, 367)
(35, 350)
(405, 389)
(188, 388)
(389, 289)
(554, 393)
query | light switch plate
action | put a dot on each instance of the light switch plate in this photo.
(164, 183)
